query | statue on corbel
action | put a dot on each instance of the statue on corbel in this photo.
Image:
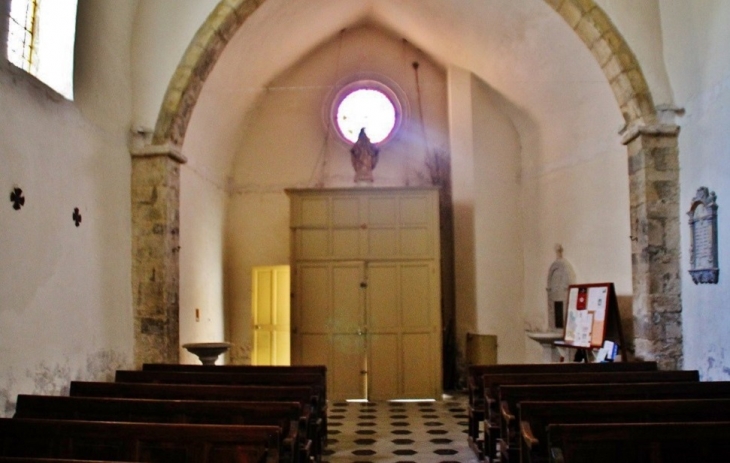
(364, 156)
(560, 276)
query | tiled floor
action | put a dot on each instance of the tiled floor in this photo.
(390, 432)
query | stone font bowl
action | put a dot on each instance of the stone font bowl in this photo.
(207, 352)
(545, 337)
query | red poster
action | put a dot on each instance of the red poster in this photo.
(581, 303)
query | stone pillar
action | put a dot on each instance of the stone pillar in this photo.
(155, 253)
(655, 246)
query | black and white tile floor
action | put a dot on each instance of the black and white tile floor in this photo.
(399, 432)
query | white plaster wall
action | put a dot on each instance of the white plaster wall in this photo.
(497, 223)
(65, 291)
(575, 192)
(574, 181)
(284, 145)
(202, 218)
(696, 37)
(163, 30)
(639, 22)
(584, 207)
(581, 201)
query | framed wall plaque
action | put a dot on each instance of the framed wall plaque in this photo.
(703, 265)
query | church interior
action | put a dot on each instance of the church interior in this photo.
(140, 206)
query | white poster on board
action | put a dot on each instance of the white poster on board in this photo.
(570, 323)
(583, 328)
(597, 297)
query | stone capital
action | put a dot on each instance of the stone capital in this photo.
(170, 150)
(634, 131)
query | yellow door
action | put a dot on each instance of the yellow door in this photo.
(329, 324)
(270, 308)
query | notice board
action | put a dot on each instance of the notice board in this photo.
(592, 316)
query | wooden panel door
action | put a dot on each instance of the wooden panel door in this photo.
(384, 331)
(403, 322)
(388, 329)
(421, 329)
(329, 324)
(270, 303)
(402, 225)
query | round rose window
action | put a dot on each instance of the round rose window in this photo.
(366, 108)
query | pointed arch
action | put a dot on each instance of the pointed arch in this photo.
(618, 62)
(655, 265)
(197, 62)
(588, 20)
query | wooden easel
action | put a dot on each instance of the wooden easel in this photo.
(592, 317)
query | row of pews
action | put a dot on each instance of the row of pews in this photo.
(596, 412)
(176, 413)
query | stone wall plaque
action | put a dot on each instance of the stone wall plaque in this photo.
(703, 263)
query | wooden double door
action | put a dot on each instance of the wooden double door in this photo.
(376, 325)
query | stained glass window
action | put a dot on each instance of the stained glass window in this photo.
(366, 108)
(41, 35)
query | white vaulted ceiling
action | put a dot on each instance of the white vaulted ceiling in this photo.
(552, 88)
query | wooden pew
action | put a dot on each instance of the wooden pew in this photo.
(268, 377)
(639, 443)
(500, 423)
(512, 395)
(151, 442)
(196, 367)
(48, 460)
(476, 387)
(301, 394)
(286, 415)
(311, 369)
(319, 370)
(536, 416)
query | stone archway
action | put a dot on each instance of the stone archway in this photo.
(653, 157)
(653, 179)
